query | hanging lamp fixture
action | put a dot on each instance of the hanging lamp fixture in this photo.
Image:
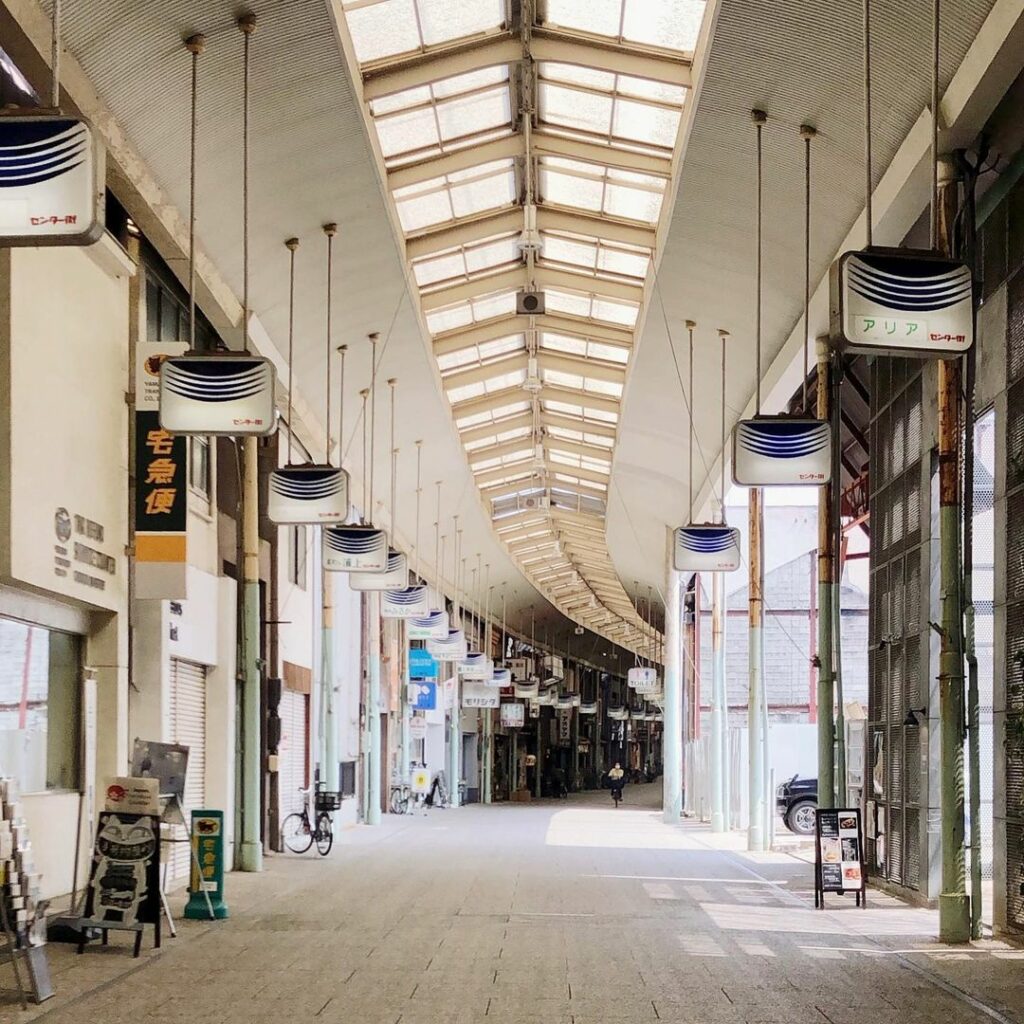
(706, 547)
(310, 493)
(361, 547)
(452, 646)
(52, 169)
(893, 301)
(434, 624)
(227, 394)
(779, 450)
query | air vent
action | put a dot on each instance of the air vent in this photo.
(530, 303)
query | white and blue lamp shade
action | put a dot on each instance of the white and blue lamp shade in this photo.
(476, 667)
(618, 714)
(433, 625)
(528, 690)
(781, 451)
(394, 577)
(355, 549)
(307, 495)
(52, 181)
(501, 676)
(901, 302)
(413, 602)
(706, 547)
(588, 707)
(450, 648)
(224, 394)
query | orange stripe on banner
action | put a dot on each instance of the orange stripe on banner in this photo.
(160, 547)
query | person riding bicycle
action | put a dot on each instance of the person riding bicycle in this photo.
(616, 780)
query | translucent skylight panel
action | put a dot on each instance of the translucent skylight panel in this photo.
(489, 306)
(569, 190)
(601, 17)
(559, 249)
(644, 122)
(466, 391)
(632, 203)
(597, 188)
(573, 108)
(387, 28)
(491, 415)
(468, 115)
(604, 387)
(475, 190)
(450, 318)
(587, 306)
(612, 353)
(415, 97)
(567, 302)
(465, 262)
(423, 209)
(623, 262)
(487, 191)
(615, 312)
(672, 24)
(471, 81)
(561, 379)
(439, 268)
(563, 343)
(494, 254)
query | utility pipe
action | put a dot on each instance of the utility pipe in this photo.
(373, 762)
(826, 539)
(672, 799)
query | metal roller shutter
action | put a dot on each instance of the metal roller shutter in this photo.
(188, 727)
(292, 775)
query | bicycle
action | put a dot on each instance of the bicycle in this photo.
(401, 794)
(297, 831)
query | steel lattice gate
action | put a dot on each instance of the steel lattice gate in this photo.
(1014, 553)
(897, 625)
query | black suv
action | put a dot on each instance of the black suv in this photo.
(797, 802)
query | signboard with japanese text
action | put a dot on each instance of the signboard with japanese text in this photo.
(478, 695)
(422, 664)
(52, 181)
(132, 795)
(513, 716)
(230, 395)
(781, 451)
(901, 302)
(149, 357)
(161, 509)
(206, 878)
(839, 854)
(124, 878)
(422, 695)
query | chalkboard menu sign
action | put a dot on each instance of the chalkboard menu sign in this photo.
(839, 855)
(124, 877)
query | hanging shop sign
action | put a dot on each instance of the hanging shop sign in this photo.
(422, 695)
(552, 668)
(528, 690)
(130, 795)
(52, 180)
(520, 668)
(355, 549)
(513, 716)
(534, 709)
(548, 698)
(449, 648)
(232, 395)
(501, 677)
(477, 695)
(417, 728)
(422, 664)
(706, 547)
(206, 884)
(901, 302)
(618, 714)
(476, 666)
(781, 451)
(298, 495)
(588, 707)
(432, 626)
(642, 678)
(839, 855)
(404, 604)
(565, 702)
(564, 726)
(124, 877)
(419, 780)
(394, 577)
(161, 509)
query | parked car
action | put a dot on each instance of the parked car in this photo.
(797, 802)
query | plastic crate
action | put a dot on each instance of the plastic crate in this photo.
(327, 801)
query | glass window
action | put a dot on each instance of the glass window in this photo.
(40, 706)
(297, 556)
(199, 475)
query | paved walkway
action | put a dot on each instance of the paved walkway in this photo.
(555, 912)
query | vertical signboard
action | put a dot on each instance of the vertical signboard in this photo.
(206, 884)
(839, 855)
(161, 508)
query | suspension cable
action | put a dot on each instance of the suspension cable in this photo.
(723, 335)
(330, 230)
(758, 117)
(807, 132)
(195, 45)
(291, 245)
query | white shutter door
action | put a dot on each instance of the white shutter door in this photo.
(188, 727)
(292, 751)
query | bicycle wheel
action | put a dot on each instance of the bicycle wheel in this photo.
(324, 834)
(296, 834)
(399, 800)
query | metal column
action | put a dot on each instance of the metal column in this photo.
(672, 805)
(719, 709)
(756, 725)
(826, 562)
(251, 858)
(454, 739)
(373, 758)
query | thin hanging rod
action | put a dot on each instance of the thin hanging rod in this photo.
(342, 350)
(247, 26)
(438, 558)
(330, 230)
(373, 412)
(759, 117)
(724, 336)
(868, 175)
(55, 56)
(419, 492)
(195, 45)
(934, 211)
(291, 245)
(807, 133)
(364, 394)
(392, 381)
(690, 325)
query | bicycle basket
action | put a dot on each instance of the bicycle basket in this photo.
(327, 801)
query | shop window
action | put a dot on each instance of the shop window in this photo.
(40, 706)
(199, 469)
(297, 556)
(167, 316)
